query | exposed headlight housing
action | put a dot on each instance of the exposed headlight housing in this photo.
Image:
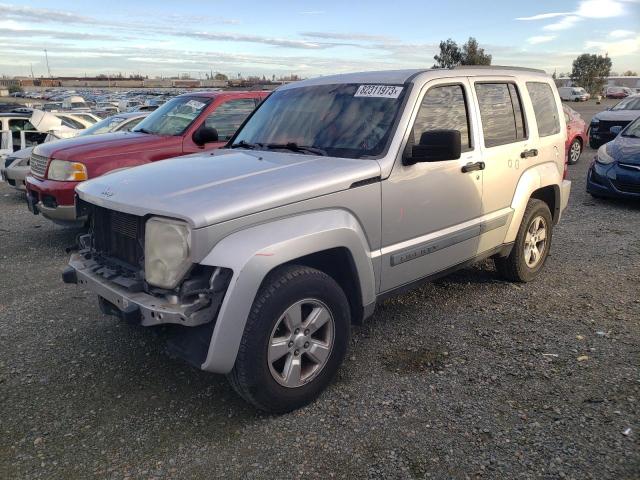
(166, 251)
(67, 171)
(603, 156)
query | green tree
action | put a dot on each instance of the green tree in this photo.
(629, 73)
(590, 71)
(221, 76)
(15, 89)
(450, 55)
(472, 54)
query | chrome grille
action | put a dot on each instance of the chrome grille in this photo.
(38, 164)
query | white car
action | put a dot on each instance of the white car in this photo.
(573, 94)
(16, 166)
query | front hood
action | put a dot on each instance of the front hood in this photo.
(206, 189)
(625, 150)
(85, 148)
(613, 115)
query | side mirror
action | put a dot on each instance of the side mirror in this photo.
(616, 129)
(205, 135)
(436, 146)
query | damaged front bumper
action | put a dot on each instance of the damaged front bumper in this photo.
(123, 297)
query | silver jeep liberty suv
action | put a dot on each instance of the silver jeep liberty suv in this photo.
(335, 193)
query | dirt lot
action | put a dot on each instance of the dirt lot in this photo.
(468, 377)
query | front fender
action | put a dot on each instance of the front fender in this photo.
(252, 253)
(534, 178)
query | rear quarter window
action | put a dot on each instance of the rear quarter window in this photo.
(544, 108)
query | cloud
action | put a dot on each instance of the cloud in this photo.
(237, 37)
(540, 39)
(587, 9)
(33, 33)
(348, 36)
(564, 24)
(621, 33)
(543, 16)
(629, 46)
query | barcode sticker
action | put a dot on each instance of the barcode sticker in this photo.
(379, 91)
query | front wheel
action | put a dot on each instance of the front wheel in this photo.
(531, 247)
(575, 150)
(294, 341)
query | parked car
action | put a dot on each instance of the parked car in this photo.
(76, 103)
(186, 124)
(17, 132)
(615, 171)
(576, 134)
(604, 125)
(616, 92)
(17, 166)
(336, 193)
(573, 94)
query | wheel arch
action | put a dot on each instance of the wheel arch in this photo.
(541, 182)
(310, 239)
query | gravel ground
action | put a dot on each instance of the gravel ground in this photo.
(467, 377)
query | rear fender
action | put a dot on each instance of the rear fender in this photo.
(536, 177)
(252, 253)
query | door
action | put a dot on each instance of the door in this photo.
(507, 146)
(430, 210)
(29, 138)
(226, 118)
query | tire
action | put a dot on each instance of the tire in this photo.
(256, 377)
(594, 145)
(575, 150)
(517, 267)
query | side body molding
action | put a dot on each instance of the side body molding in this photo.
(534, 178)
(252, 253)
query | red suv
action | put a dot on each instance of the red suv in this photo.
(186, 124)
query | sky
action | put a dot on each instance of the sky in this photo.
(305, 37)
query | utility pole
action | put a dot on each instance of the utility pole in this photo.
(31, 65)
(46, 56)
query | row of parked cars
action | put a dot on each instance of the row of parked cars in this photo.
(275, 221)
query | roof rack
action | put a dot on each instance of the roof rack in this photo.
(498, 67)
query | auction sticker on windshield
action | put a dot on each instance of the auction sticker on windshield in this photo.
(378, 91)
(195, 104)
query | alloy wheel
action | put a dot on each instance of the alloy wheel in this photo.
(301, 342)
(535, 241)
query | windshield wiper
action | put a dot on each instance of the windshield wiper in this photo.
(294, 147)
(243, 144)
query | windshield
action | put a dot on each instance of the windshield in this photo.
(351, 121)
(104, 126)
(628, 104)
(632, 130)
(174, 117)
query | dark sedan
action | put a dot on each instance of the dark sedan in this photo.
(615, 172)
(606, 125)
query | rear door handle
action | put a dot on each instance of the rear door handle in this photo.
(529, 153)
(470, 167)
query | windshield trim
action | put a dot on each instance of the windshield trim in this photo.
(408, 86)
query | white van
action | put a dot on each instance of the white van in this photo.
(573, 94)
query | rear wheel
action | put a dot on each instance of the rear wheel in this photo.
(294, 341)
(531, 247)
(575, 150)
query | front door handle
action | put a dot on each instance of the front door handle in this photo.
(470, 167)
(529, 153)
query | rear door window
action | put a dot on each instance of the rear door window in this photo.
(444, 107)
(501, 112)
(544, 108)
(228, 117)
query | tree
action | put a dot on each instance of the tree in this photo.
(472, 54)
(15, 89)
(629, 73)
(450, 55)
(590, 71)
(221, 76)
